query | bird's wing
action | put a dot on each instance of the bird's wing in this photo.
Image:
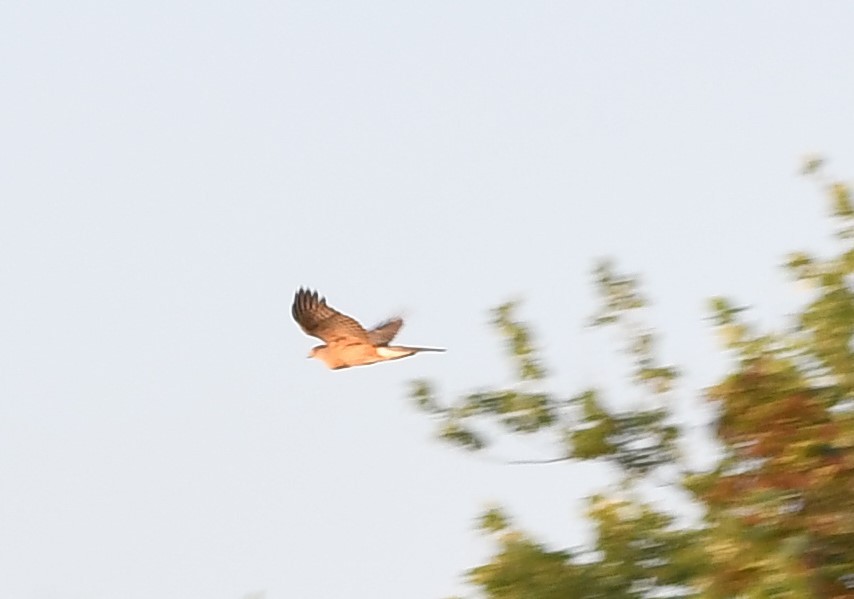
(383, 333)
(328, 324)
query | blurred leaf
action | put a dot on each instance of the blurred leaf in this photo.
(841, 195)
(454, 432)
(811, 165)
(422, 393)
(494, 520)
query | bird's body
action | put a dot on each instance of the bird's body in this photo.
(345, 356)
(347, 342)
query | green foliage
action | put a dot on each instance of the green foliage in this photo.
(493, 520)
(621, 303)
(637, 441)
(518, 340)
(519, 409)
(777, 507)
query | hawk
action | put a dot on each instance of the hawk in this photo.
(347, 342)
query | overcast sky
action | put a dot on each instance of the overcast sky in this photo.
(170, 173)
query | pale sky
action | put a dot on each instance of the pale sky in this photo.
(171, 172)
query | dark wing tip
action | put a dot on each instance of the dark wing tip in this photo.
(305, 300)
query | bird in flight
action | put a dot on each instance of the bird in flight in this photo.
(347, 342)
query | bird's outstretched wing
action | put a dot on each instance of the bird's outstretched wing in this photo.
(383, 333)
(328, 324)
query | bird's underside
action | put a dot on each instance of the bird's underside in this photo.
(347, 343)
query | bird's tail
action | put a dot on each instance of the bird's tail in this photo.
(418, 349)
(393, 352)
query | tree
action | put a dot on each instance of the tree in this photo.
(778, 507)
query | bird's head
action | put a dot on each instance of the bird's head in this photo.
(314, 351)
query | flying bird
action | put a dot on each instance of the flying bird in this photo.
(347, 342)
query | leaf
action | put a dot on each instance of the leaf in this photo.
(841, 195)
(493, 520)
